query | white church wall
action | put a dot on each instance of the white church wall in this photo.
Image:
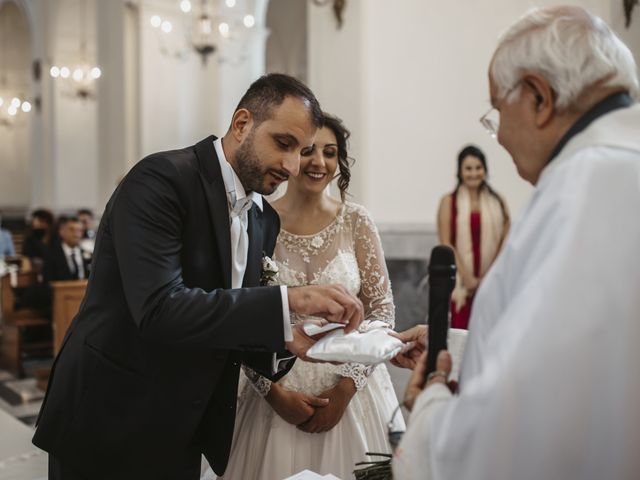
(336, 74)
(169, 76)
(410, 80)
(182, 100)
(74, 122)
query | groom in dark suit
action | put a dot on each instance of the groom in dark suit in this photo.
(146, 380)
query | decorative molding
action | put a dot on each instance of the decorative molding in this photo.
(338, 9)
(628, 10)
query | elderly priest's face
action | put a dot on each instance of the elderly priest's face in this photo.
(520, 130)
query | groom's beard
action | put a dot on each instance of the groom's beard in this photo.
(249, 168)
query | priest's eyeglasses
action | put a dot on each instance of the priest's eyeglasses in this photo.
(491, 120)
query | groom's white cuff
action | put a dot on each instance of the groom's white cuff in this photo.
(288, 334)
(278, 364)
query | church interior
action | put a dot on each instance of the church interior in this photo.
(90, 87)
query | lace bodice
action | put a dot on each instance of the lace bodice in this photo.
(348, 252)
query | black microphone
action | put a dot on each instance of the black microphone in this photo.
(442, 279)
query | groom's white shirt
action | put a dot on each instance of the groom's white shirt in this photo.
(237, 195)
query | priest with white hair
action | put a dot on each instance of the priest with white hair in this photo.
(550, 381)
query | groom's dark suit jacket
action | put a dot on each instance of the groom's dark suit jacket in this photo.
(149, 367)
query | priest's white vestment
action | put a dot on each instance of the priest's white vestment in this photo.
(550, 381)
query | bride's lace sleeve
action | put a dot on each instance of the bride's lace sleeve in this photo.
(375, 289)
(259, 383)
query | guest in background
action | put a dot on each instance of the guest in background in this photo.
(473, 220)
(66, 259)
(88, 229)
(7, 249)
(40, 237)
(86, 218)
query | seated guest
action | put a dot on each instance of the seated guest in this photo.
(7, 248)
(66, 259)
(40, 237)
(88, 223)
(88, 229)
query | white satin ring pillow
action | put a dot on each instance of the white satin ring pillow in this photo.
(369, 347)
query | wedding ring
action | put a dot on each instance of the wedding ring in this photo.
(437, 373)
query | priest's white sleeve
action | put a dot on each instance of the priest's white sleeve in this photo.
(412, 459)
(550, 383)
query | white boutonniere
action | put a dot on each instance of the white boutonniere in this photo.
(269, 275)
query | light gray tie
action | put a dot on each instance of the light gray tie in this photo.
(239, 240)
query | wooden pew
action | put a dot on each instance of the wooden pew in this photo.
(67, 297)
(14, 347)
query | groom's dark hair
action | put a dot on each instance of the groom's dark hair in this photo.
(269, 91)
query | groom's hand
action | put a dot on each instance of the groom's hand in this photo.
(332, 302)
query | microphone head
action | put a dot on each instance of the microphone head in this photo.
(442, 262)
(442, 255)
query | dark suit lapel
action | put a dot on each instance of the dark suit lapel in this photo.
(254, 256)
(214, 190)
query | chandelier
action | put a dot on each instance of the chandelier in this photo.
(208, 26)
(80, 76)
(11, 107)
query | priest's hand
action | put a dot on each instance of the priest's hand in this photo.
(417, 381)
(324, 419)
(332, 302)
(294, 407)
(417, 335)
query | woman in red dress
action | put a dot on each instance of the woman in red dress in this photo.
(474, 221)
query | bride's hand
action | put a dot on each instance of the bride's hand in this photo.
(293, 407)
(324, 419)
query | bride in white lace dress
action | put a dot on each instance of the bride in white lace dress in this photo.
(286, 427)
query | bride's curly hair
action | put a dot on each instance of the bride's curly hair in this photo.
(344, 160)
